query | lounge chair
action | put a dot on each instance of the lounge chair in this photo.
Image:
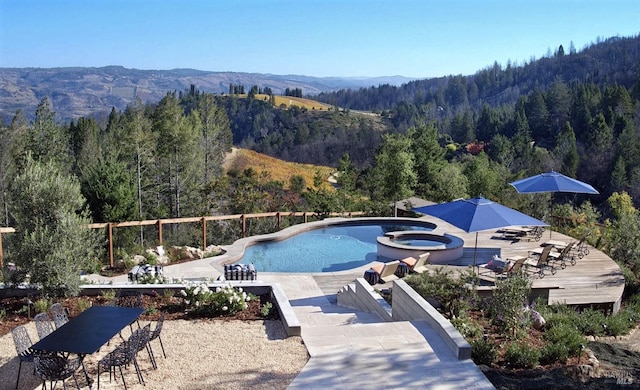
(386, 271)
(563, 255)
(417, 265)
(542, 262)
(581, 248)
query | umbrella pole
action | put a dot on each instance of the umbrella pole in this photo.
(550, 215)
(475, 251)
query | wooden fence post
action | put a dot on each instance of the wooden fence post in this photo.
(159, 223)
(110, 236)
(204, 234)
(244, 225)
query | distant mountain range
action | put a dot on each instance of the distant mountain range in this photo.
(81, 91)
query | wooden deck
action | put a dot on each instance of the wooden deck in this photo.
(595, 280)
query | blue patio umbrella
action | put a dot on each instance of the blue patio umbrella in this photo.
(478, 214)
(552, 182)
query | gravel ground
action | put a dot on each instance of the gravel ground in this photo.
(205, 354)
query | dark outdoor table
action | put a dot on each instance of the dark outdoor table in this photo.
(90, 330)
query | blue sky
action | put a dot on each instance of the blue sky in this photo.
(413, 38)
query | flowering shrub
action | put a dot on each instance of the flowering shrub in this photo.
(227, 300)
(152, 279)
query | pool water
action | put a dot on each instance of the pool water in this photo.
(329, 249)
(418, 242)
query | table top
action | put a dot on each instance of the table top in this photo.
(90, 330)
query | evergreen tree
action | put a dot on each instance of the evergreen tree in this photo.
(482, 178)
(428, 156)
(215, 134)
(180, 162)
(566, 150)
(46, 141)
(109, 191)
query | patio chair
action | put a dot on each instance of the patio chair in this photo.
(53, 368)
(155, 334)
(542, 263)
(59, 314)
(386, 271)
(125, 354)
(581, 248)
(417, 265)
(563, 255)
(43, 325)
(23, 345)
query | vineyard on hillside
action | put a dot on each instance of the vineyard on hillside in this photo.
(278, 170)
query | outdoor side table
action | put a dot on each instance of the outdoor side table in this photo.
(402, 270)
(371, 277)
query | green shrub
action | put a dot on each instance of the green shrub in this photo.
(520, 355)
(83, 304)
(176, 254)
(442, 286)
(109, 295)
(467, 328)
(590, 322)
(41, 305)
(507, 304)
(266, 309)
(128, 263)
(483, 351)
(151, 258)
(554, 353)
(617, 325)
(563, 341)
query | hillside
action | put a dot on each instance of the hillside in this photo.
(278, 170)
(605, 62)
(80, 91)
(288, 101)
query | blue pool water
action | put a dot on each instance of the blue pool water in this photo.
(329, 249)
(419, 242)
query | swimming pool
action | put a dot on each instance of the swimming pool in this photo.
(336, 246)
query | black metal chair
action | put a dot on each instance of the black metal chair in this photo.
(59, 314)
(144, 343)
(53, 368)
(23, 345)
(43, 325)
(125, 354)
(155, 334)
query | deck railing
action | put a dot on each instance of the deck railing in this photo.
(159, 223)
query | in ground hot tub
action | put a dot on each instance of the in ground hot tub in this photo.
(443, 248)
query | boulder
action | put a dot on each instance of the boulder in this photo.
(537, 321)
